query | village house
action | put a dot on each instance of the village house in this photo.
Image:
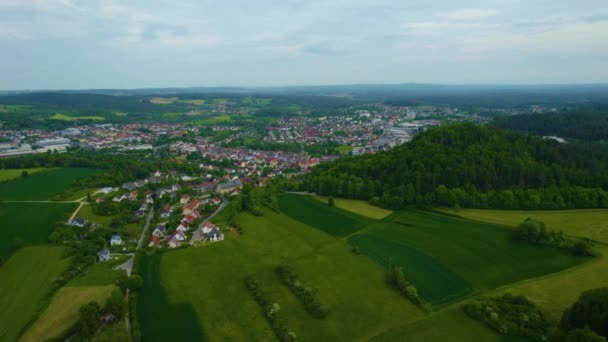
(78, 222)
(166, 211)
(160, 230)
(190, 207)
(115, 240)
(229, 186)
(103, 255)
(185, 199)
(154, 241)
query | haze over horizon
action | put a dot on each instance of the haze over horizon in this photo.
(76, 44)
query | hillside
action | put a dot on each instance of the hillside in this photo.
(472, 166)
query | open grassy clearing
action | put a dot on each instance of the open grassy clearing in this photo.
(334, 221)
(16, 173)
(42, 185)
(344, 149)
(162, 100)
(586, 223)
(358, 207)
(484, 255)
(210, 278)
(214, 120)
(25, 280)
(133, 230)
(63, 117)
(193, 102)
(100, 273)
(62, 312)
(33, 222)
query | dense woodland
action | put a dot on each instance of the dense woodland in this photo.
(587, 126)
(470, 166)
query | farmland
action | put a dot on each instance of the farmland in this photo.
(62, 312)
(587, 223)
(225, 310)
(482, 254)
(359, 207)
(334, 221)
(12, 174)
(63, 117)
(18, 221)
(25, 281)
(42, 185)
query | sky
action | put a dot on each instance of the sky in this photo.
(85, 44)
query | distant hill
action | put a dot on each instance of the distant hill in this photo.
(474, 166)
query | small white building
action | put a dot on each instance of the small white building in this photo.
(115, 240)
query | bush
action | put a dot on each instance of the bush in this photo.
(591, 309)
(305, 294)
(396, 278)
(510, 315)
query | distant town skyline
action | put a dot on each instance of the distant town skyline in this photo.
(77, 44)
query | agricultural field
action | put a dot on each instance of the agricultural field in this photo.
(358, 207)
(162, 100)
(334, 221)
(214, 120)
(13, 174)
(42, 185)
(25, 282)
(482, 254)
(62, 312)
(592, 224)
(223, 307)
(64, 117)
(33, 222)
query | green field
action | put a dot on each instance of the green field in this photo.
(214, 120)
(132, 230)
(12, 174)
(484, 255)
(25, 281)
(33, 222)
(344, 149)
(334, 221)
(63, 117)
(42, 185)
(100, 273)
(210, 279)
(358, 207)
(587, 223)
(62, 312)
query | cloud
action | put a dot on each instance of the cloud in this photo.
(469, 14)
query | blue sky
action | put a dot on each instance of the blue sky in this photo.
(74, 44)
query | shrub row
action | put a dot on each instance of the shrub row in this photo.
(510, 315)
(396, 278)
(272, 310)
(305, 294)
(534, 231)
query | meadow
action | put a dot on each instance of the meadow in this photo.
(351, 285)
(33, 222)
(12, 174)
(99, 273)
(358, 207)
(483, 254)
(25, 283)
(62, 312)
(42, 185)
(332, 220)
(592, 224)
(132, 230)
(64, 117)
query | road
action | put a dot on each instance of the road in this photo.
(127, 266)
(198, 233)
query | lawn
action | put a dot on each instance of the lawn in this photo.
(132, 230)
(334, 221)
(16, 173)
(25, 282)
(207, 282)
(42, 185)
(33, 222)
(587, 223)
(344, 149)
(100, 273)
(63, 117)
(62, 313)
(482, 254)
(358, 207)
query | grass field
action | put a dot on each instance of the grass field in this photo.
(587, 223)
(162, 100)
(12, 174)
(344, 149)
(133, 230)
(120, 113)
(63, 117)
(211, 279)
(62, 312)
(42, 185)
(100, 273)
(358, 207)
(25, 280)
(33, 222)
(482, 254)
(334, 221)
(193, 102)
(214, 120)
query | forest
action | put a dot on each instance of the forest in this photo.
(470, 165)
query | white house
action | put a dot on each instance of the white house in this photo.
(115, 240)
(104, 255)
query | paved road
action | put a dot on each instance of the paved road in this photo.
(127, 266)
(198, 233)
